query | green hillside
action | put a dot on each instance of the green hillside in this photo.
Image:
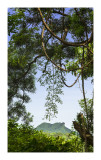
(56, 127)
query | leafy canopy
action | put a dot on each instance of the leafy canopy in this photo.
(51, 52)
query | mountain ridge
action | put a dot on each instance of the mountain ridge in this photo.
(55, 127)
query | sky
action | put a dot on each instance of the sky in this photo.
(68, 110)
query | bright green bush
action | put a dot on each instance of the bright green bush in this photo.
(23, 138)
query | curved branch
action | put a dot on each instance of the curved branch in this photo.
(71, 84)
(63, 41)
(59, 67)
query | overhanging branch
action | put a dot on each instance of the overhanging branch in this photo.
(59, 67)
(63, 41)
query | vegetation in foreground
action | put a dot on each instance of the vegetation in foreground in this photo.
(24, 138)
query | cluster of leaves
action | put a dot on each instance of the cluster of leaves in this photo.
(83, 21)
(84, 123)
(23, 138)
(88, 113)
(52, 79)
(77, 61)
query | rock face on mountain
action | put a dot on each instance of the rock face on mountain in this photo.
(56, 127)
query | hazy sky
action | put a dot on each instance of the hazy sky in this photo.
(67, 111)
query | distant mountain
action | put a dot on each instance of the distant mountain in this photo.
(56, 127)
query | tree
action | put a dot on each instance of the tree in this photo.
(84, 123)
(39, 40)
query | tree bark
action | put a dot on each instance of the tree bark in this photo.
(83, 133)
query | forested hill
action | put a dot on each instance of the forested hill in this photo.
(56, 127)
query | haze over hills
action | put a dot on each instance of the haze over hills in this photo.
(56, 127)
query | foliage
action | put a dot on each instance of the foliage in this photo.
(23, 138)
(88, 113)
(77, 61)
(84, 123)
(52, 80)
(24, 50)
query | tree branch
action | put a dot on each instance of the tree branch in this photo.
(59, 67)
(71, 84)
(83, 133)
(63, 41)
(83, 85)
(16, 81)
